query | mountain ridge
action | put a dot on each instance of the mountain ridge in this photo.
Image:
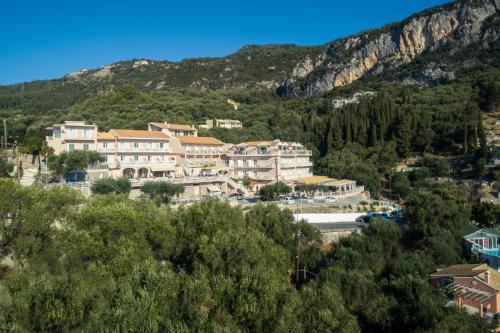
(294, 70)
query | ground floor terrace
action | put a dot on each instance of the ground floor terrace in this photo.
(322, 186)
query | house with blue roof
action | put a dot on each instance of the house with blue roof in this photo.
(486, 243)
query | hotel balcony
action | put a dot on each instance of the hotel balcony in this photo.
(142, 150)
(250, 153)
(146, 163)
(207, 164)
(106, 150)
(296, 165)
(296, 152)
(69, 138)
(253, 166)
(204, 152)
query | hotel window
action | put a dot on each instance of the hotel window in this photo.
(72, 132)
(104, 144)
(136, 144)
(122, 158)
(149, 158)
(85, 146)
(136, 158)
(71, 147)
(162, 145)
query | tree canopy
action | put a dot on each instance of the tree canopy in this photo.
(273, 191)
(163, 190)
(121, 185)
(74, 160)
(111, 263)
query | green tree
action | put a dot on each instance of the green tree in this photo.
(273, 191)
(486, 214)
(309, 189)
(162, 189)
(401, 185)
(73, 160)
(6, 167)
(109, 185)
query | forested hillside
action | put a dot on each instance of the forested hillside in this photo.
(110, 263)
(433, 46)
(360, 140)
(416, 90)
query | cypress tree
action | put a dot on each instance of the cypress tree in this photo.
(482, 136)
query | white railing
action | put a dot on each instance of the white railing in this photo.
(250, 153)
(296, 152)
(98, 166)
(204, 152)
(106, 150)
(142, 149)
(296, 165)
(204, 164)
(147, 163)
(80, 137)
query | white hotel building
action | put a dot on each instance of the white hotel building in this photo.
(176, 151)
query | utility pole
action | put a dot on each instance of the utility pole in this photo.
(297, 257)
(5, 133)
(18, 164)
(390, 187)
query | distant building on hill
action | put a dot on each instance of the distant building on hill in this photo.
(339, 103)
(173, 129)
(233, 103)
(222, 123)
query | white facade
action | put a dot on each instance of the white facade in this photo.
(269, 161)
(72, 135)
(160, 152)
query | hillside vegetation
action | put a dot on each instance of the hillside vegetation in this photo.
(361, 140)
(114, 264)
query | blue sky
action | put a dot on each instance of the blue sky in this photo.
(43, 39)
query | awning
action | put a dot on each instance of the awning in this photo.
(162, 168)
(213, 188)
(339, 182)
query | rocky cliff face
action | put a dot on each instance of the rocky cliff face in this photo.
(372, 52)
(295, 70)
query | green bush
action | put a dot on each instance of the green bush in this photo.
(273, 191)
(109, 185)
(162, 189)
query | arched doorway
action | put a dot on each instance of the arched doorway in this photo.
(142, 173)
(129, 172)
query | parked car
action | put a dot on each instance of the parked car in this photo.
(287, 201)
(236, 196)
(329, 200)
(219, 195)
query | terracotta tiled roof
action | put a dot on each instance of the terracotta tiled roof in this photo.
(200, 140)
(256, 143)
(174, 126)
(312, 180)
(105, 136)
(470, 270)
(461, 270)
(124, 133)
